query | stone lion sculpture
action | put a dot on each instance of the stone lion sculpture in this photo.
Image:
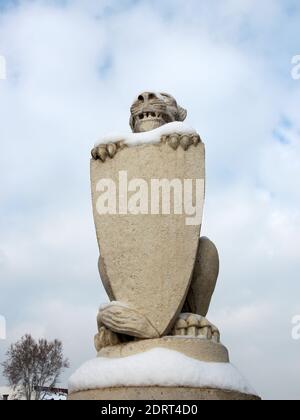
(118, 323)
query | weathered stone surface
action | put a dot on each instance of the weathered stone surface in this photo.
(196, 348)
(147, 261)
(161, 394)
(193, 325)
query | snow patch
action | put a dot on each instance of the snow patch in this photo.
(157, 367)
(149, 137)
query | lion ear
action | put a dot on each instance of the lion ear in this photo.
(182, 113)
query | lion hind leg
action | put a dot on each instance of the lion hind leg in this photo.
(204, 278)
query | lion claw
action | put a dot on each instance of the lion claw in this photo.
(104, 151)
(184, 140)
(193, 325)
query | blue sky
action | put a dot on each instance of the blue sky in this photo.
(73, 68)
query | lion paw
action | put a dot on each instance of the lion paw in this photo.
(193, 325)
(107, 151)
(181, 140)
(106, 338)
(124, 320)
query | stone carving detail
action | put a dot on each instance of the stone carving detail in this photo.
(109, 151)
(181, 140)
(122, 319)
(148, 112)
(187, 325)
(193, 325)
(152, 110)
(106, 151)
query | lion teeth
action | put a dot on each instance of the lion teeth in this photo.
(150, 116)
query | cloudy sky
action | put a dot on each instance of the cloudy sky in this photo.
(73, 68)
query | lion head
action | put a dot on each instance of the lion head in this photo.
(152, 110)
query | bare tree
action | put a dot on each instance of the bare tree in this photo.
(31, 366)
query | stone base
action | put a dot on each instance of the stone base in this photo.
(170, 368)
(160, 394)
(194, 347)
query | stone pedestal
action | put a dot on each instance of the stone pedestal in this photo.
(169, 368)
(160, 394)
(193, 347)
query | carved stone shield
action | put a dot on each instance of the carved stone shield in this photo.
(148, 258)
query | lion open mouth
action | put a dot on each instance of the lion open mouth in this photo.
(150, 115)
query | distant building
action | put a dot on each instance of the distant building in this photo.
(7, 393)
(55, 393)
